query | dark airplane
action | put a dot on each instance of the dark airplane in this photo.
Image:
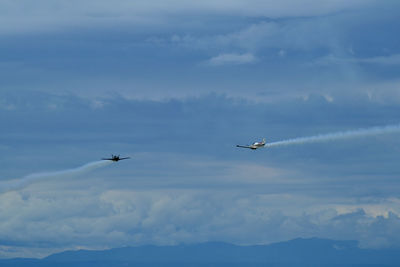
(115, 158)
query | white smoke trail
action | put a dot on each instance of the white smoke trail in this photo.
(16, 184)
(337, 135)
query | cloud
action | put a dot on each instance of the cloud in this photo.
(95, 218)
(294, 34)
(383, 60)
(125, 78)
(232, 59)
(190, 185)
(47, 15)
(98, 51)
(379, 60)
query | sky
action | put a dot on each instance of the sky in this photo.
(176, 85)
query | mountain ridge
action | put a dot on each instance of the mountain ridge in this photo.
(300, 251)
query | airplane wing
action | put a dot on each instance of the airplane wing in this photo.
(106, 159)
(124, 158)
(244, 146)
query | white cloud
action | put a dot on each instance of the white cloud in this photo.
(232, 59)
(379, 60)
(383, 60)
(177, 200)
(303, 34)
(55, 218)
(28, 16)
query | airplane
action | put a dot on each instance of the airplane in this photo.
(255, 145)
(115, 158)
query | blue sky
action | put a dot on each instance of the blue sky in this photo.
(176, 86)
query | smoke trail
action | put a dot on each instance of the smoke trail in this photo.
(31, 178)
(337, 135)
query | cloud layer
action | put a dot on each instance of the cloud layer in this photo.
(61, 219)
(51, 15)
(224, 59)
(176, 86)
(186, 182)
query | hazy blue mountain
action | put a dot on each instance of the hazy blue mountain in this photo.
(297, 252)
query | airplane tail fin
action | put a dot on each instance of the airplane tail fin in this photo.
(264, 140)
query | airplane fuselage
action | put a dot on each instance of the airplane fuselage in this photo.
(115, 158)
(255, 145)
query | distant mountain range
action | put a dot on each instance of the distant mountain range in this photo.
(297, 252)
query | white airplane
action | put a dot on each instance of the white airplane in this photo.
(255, 145)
